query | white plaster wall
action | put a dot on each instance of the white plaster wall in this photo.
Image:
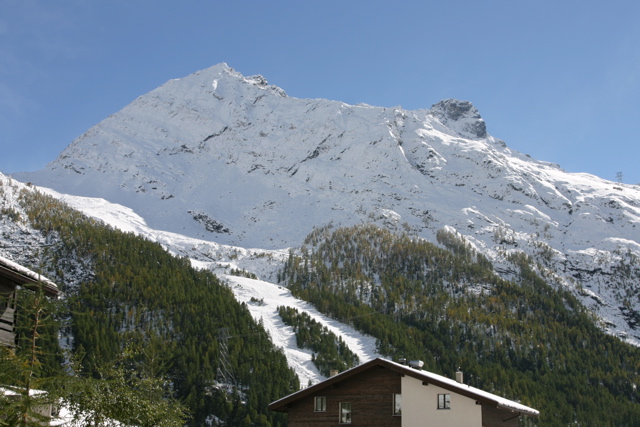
(420, 407)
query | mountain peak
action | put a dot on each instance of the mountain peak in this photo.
(217, 155)
(460, 116)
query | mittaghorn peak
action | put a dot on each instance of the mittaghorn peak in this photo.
(227, 158)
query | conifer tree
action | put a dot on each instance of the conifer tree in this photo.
(28, 388)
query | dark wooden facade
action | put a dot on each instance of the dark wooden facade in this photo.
(371, 398)
(11, 276)
(7, 312)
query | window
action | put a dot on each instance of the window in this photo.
(397, 404)
(444, 401)
(345, 413)
(320, 404)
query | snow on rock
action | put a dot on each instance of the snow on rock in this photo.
(460, 116)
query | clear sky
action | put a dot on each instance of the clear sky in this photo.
(557, 79)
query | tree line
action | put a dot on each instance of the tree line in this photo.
(444, 304)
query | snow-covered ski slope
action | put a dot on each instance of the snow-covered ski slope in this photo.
(261, 296)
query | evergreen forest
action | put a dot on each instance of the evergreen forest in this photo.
(134, 313)
(129, 301)
(521, 339)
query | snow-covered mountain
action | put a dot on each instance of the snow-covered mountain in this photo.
(230, 159)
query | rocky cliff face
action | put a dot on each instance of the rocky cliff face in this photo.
(460, 116)
(228, 158)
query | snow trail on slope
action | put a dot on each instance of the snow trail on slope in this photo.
(271, 295)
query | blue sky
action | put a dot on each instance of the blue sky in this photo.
(559, 80)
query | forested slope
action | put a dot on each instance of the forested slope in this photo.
(125, 293)
(521, 339)
(330, 352)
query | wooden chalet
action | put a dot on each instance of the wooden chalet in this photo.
(13, 275)
(384, 393)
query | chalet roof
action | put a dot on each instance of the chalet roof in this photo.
(22, 276)
(425, 376)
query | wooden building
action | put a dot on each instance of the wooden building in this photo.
(384, 393)
(13, 275)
